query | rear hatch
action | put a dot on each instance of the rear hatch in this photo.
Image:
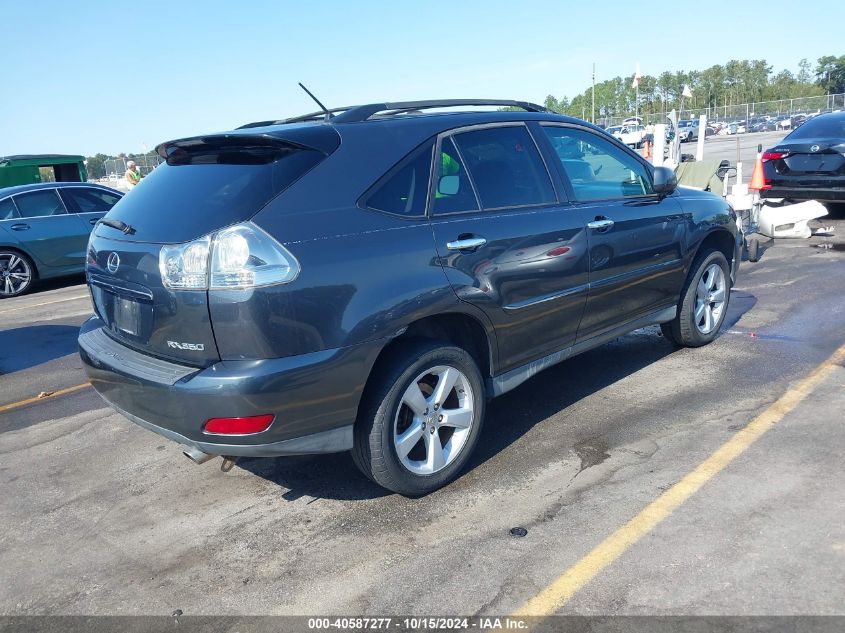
(206, 184)
(813, 157)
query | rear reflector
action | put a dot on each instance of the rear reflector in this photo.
(239, 426)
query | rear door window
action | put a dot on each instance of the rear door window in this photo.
(90, 200)
(404, 189)
(596, 167)
(506, 167)
(39, 203)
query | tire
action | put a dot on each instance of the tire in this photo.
(17, 273)
(385, 414)
(700, 312)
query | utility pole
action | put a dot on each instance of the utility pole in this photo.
(593, 95)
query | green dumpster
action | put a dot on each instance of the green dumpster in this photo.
(29, 168)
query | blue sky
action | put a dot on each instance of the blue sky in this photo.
(83, 77)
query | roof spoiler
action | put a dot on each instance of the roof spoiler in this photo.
(320, 138)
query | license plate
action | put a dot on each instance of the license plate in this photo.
(127, 315)
(808, 164)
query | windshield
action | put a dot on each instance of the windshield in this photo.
(823, 126)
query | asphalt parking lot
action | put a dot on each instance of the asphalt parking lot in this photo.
(591, 457)
(736, 148)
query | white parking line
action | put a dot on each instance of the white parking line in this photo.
(46, 303)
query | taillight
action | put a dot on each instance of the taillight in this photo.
(238, 426)
(773, 155)
(241, 256)
(557, 252)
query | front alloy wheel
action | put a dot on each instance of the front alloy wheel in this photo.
(15, 274)
(703, 302)
(710, 299)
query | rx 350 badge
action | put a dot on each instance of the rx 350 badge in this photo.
(194, 347)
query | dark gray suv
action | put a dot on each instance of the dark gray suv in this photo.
(366, 278)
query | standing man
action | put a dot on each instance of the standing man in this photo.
(132, 175)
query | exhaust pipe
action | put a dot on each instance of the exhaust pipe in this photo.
(196, 455)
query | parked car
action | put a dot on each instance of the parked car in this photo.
(44, 230)
(763, 125)
(631, 135)
(689, 132)
(783, 122)
(798, 120)
(366, 279)
(809, 164)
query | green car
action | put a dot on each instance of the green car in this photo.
(44, 230)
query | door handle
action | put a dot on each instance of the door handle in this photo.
(466, 244)
(19, 227)
(93, 221)
(603, 223)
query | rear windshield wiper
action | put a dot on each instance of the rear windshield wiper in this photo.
(120, 226)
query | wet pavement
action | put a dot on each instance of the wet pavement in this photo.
(102, 517)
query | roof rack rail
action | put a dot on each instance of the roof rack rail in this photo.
(311, 116)
(364, 112)
(352, 114)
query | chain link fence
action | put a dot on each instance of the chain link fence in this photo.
(145, 163)
(746, 111)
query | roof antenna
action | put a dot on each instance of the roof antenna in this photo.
(317, 101)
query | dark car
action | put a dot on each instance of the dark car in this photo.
(366, 279)
(44, 230)
(798, 120)
(809, 164)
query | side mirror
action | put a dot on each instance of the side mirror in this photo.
(665, 181)
(448, 185)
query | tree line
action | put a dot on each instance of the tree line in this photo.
(736, 82)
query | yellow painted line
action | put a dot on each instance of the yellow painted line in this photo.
(45, 395)
(554, 596)
(46, 303)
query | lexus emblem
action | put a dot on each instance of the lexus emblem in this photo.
(814, 148)
(113, 263)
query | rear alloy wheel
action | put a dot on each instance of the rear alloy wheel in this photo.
(421, 419)
(704, 302)
(16, 274)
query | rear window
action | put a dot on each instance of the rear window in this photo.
(204, 188)
(822, 126)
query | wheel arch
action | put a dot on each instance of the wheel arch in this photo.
(10, 246)
(720, 239)
(457, 328)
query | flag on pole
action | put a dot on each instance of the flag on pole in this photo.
(687, 92)
(637, 77)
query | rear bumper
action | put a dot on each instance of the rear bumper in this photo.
(313, 396)
(805, 193)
